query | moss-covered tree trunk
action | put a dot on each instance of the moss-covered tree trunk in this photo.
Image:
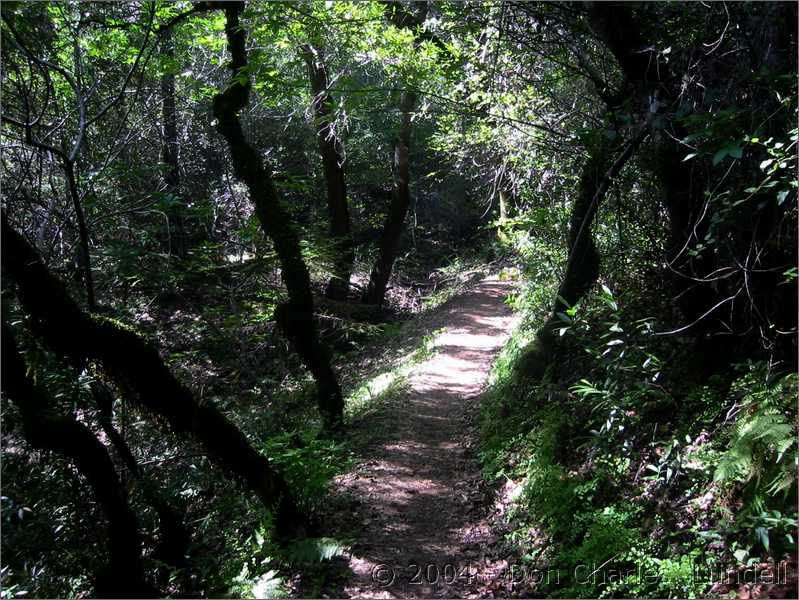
(295, 317)
(411, 17)
(137, 367)
(398, 209)
(331, 151)
(582, 266)
(124, 574)
(599, 173)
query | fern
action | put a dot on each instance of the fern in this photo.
(762, 456)
(763, 451)
(313, 550)
(757, 439)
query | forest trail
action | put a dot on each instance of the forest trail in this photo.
(412, 496)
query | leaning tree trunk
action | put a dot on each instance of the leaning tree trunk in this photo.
(295, 317)
(124, 574)
(398, 210)
(682, 186)
(169, 152)
(174, 537)
(582, 266)
(330, 148)
(136, 365)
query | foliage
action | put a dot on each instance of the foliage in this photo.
(308, 465)
(595, 464)
(761, 456)
(659, 427)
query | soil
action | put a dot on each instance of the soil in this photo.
(415, 503)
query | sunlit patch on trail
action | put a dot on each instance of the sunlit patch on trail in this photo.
(410, 504)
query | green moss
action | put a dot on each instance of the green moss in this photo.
(103, 320)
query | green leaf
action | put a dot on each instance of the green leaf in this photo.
(733, 150)
(741, 554)
(762, 535)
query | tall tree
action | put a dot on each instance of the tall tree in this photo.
(331, 151)
(296, 316)
(401, 196)
(398, 209)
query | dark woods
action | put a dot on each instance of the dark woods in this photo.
(212, 210)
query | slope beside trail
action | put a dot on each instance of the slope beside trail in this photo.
(419, 529)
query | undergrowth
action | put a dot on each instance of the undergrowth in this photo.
(633, 476)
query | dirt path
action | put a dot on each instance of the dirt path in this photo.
(411, 499)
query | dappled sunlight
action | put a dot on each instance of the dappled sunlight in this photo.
(260, 265)
(409, 480)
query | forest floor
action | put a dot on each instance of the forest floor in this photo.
(415, 506)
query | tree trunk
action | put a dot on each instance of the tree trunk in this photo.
(682, 186)
(295, 317)
(124, 574)
(398, 15)
(174, 537)
(582, 267)
(83, 233)
(503, 215)
(330, 150)
(169, 151)
(136, 365)
(398, 210)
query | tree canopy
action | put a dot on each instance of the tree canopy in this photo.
(222, 221)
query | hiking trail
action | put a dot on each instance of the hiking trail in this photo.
(416, 496)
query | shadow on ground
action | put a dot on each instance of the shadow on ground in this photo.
(409, 502)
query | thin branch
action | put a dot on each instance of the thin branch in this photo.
(673, 331)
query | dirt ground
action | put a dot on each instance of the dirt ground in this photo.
(416, 500)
